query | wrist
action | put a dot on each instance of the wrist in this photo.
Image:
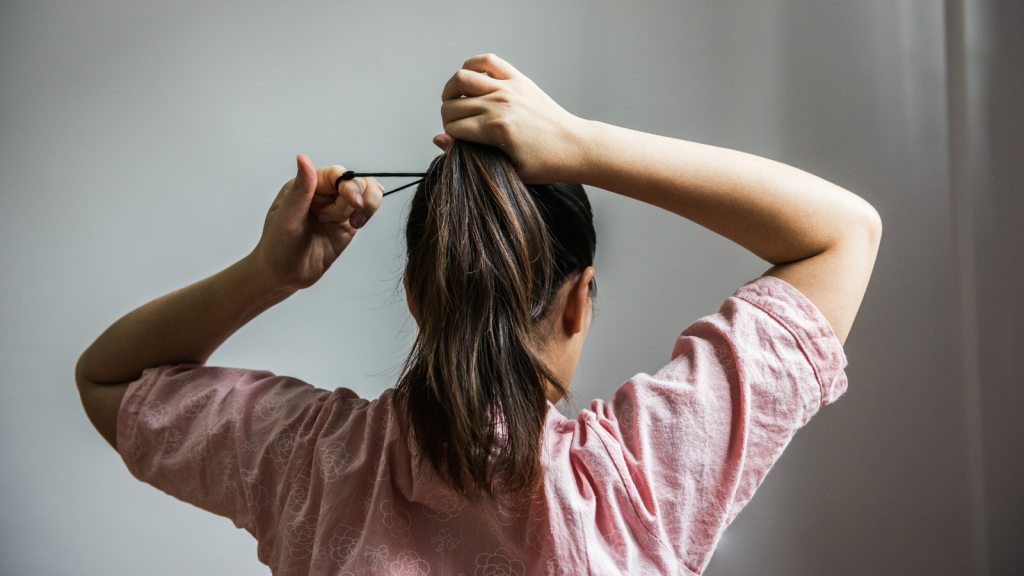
(583, 136)
(254, 278)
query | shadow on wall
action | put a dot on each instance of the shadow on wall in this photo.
(998, 188)
(882, 481)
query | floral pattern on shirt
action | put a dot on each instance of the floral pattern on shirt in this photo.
(644, 483)
(443, 505)
(409, 563)
(396, 519)
(345, 542)
(499, 563)
(444, 540)
(335, 460)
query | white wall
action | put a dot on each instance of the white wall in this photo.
(141, 144)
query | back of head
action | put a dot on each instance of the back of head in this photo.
(487, 258)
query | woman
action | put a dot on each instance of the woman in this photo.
(466, 468)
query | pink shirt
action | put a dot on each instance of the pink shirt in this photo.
(642, 484)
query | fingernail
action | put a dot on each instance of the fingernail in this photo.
(358, 220)
(381, 186)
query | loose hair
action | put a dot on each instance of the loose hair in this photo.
(487, 256)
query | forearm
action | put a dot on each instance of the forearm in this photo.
(780, 213)
(821, 239)
(185, 326)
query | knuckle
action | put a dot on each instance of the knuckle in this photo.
(374, 192)
(502, 97)
(453, 130)
(333, 172)
(500, 127)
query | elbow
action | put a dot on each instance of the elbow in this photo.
(873, 224)
(100, 402)
(79, 379)
(82, 382)
(866, 226)
(86, 387)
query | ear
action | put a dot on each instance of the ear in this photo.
(574, 315)
(408, 300)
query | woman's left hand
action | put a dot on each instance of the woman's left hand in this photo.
(507, 110)
(310, 223)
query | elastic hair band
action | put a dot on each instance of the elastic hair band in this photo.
(350, 175)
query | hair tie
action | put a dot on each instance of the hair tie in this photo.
(348, 175)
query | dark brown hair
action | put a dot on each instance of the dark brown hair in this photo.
(487, 255)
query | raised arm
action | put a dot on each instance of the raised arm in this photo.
(820, 238)
(307, 228)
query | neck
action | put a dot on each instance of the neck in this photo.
(560, 358)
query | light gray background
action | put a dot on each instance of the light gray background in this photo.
(141, 144)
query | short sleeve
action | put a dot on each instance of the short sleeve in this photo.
(229, 441)
(692, 442)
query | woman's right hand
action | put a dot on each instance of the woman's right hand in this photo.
(309, 224)
(507, 110)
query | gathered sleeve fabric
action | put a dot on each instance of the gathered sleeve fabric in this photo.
(229, 441)
(672, 458)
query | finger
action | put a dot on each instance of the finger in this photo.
(295, 204)
(328, 176)
(347, 202)
(494, 67)
(320, 201)
(470, 129)
(372, 195)
(459, 108)
(444, 142)
(468, 83)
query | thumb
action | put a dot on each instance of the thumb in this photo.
(296, 202)
(444, 141)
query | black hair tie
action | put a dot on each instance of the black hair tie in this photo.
(348, 175)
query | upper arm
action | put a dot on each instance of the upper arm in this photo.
(229, 441)
(695, 440)
(836, 279)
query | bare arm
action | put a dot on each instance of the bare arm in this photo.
(820, 238)
(183, 327)
(307, 228)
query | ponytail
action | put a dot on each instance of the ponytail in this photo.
(487, 254)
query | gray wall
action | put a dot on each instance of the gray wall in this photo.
(140, 145)
(988, 162)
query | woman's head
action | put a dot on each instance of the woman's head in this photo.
(499, 279)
